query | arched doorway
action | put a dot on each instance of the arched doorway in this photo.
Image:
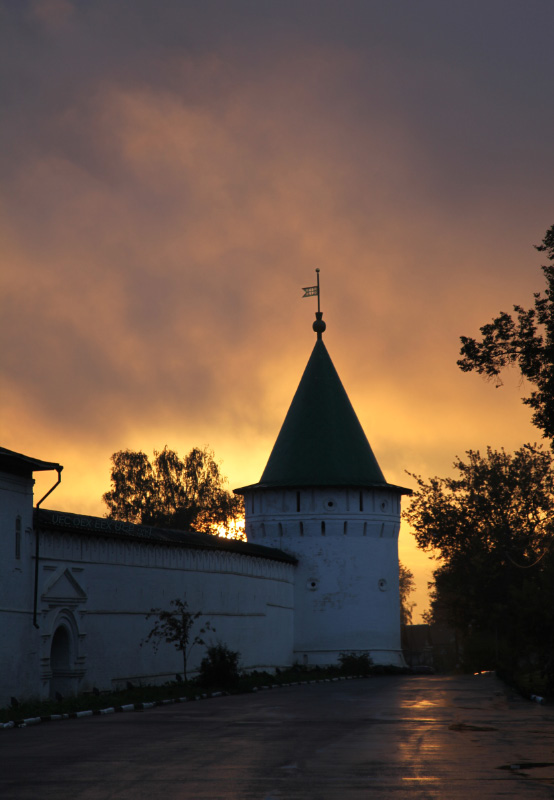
(61, 681)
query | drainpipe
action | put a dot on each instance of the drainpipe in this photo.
(37, 548)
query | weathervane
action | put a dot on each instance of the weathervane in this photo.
(313, 291)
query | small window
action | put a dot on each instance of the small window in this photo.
(361, 501)
(280, 529)
(18, 537)
(323, 529)
(298, 501)
(345, 528)
(301, 529)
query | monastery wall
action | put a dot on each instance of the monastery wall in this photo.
(98, 580)
(18, 639)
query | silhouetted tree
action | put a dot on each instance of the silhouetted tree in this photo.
(525, 340)
(492, 528)
(171, 492)
(175, 627)
(407, 586)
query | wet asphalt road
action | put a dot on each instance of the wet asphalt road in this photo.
(403, 737)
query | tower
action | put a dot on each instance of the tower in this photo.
(323, 498)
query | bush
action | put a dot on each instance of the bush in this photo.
(355, 663)
(219, 668)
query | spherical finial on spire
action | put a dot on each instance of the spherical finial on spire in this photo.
(319, 326)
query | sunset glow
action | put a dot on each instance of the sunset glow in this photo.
(235, 530)
(169, 183)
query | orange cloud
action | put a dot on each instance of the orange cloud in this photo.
(161, 213)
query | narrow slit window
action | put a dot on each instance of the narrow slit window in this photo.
(323, 529)
(301, 529)
(18, 537)
(345, 531)
(361, 501)
(298, 501)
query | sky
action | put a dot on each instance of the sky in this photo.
(173, 172)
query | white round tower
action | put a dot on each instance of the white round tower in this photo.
(323, 499)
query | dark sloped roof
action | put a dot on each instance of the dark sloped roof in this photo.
(18, 464)
(321, 442)
(84, 525)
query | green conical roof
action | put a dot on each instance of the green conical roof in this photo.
(321, 442)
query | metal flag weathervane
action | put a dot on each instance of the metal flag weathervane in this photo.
(312, 291)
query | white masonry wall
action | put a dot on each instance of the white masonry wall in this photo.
(19, 641)
(346, 588)
(95, 592)
(108, 586)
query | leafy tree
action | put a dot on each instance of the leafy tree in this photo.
(525, 340)
(171, 492)
(407, 586)
(491, 527)
(175, 627)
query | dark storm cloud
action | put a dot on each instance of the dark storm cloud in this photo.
(173, 171)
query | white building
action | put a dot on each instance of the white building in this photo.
(317, 577)
(323, 499)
